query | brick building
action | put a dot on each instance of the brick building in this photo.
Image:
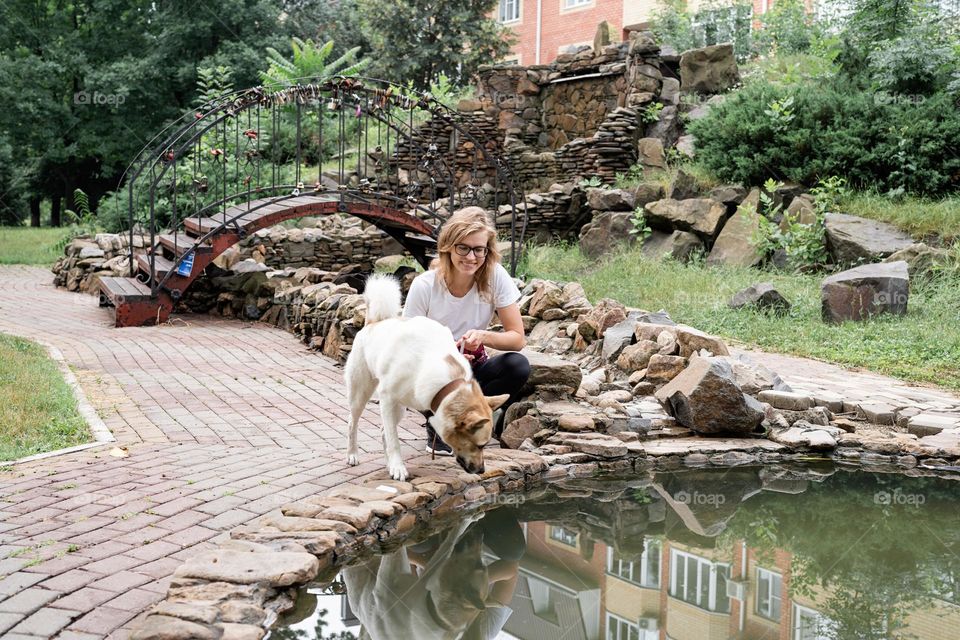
(545, 28)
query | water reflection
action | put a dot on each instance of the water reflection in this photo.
(747, 553)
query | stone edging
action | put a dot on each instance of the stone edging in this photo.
(238, 590)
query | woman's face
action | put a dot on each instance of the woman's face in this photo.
(468, 264)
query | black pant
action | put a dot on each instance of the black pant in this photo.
(505, 373)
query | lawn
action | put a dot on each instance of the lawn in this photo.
(38, 411)
(923, 346)
(29, 245)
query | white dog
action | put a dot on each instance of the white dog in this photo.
(414, 362)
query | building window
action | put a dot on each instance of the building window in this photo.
(644, 572)
(509, 11)
(769, 585)
(563, 536)
(573, 4)
(699, 581)
(811, 625)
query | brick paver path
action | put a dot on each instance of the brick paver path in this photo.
(224, 421)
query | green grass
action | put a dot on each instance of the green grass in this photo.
(923, 219)
(38, 412)
(29, 245)
(923, 346)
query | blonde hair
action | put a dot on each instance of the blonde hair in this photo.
(457, 227)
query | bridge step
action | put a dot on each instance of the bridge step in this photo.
(179, 243)
(120, 290)
(161, 264)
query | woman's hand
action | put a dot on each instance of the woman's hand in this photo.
(472, 340)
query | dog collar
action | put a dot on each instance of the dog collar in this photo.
(446, 390)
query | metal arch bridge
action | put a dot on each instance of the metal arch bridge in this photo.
(399, 160)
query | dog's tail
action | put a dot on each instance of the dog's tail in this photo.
(382, 296)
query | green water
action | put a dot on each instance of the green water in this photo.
(748, 553)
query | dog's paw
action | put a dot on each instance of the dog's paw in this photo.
(398, 472)
(352, 460)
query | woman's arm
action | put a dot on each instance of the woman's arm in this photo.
(511, 338)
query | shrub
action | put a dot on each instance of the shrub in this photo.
(804, 132)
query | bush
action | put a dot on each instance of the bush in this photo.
(805, 132)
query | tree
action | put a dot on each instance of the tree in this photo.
(417, 40)
(86, 84)
(336, 21)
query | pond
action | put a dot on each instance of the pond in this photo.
(798, 553)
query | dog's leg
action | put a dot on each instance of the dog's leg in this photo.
(360, 386)
(391, 412)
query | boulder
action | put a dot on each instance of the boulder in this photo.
(683, 186)
(607, 230)
(702, 216)
(753, 377)
(705, 399)
(605, 314)
(679, 245)
(636, 356)
(617, 337)
(670, 92)
(806, 436)
(690, 340)
(865, 291)
(801, 210)
(667, 128)
(687, 145)
(920, 258)
(519, 430)
(663, 368)
(547, 296)
(851, 239)
(762, 296)
(550, 370)
(728, 194)
(711, 69)
(650, 153)
(647, 192)
(610, 199)
(734, 245)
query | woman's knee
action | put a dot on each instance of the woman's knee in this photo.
(517, 367)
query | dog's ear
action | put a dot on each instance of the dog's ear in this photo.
(496, 401)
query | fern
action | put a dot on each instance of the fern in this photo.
(309, 61)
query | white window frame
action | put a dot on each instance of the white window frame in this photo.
(716, 581)
(627, 570)
(569, 5)
(564, 536)
(501, 11)
(774, 583)
(823, 629)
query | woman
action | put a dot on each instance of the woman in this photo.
(465, 285)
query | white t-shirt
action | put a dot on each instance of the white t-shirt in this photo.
(429, 296)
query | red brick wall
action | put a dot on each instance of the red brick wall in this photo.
(562, 27)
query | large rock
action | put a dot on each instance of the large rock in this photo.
(549, 370)
(760, 296)
(689, 339)
(920, 258)
(702, 216)
(851, 239)
(708, 70)
(610, 199)
(605, 314)
(683, 186)
(679, 245)
(705, 399)
(734, 245)
(650, 152)
(667, 128)
(865, 291)
(647, 192)
(278, 569)
(801, 210)
(605, 232)
(753, 377)
(547, 296)
(636, 356)
(617, 337)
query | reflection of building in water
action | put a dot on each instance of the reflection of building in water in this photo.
(680, 591)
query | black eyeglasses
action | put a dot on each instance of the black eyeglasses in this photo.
(464, 250)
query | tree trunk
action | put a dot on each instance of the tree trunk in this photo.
(35, 211)
(55, 211)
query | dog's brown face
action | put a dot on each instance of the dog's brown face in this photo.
(465, 422)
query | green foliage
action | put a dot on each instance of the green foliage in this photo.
(641, 229)
(593, 182)
(786, 28)
(309, 64)
(716, 22)
(651, 113)
(801, 133)
(420, 39)
(212, 83)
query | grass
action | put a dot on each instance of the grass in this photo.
(31, 245)
(923, 346)
(38, 412)
(923, 219)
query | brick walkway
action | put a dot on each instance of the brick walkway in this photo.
(223, 421)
